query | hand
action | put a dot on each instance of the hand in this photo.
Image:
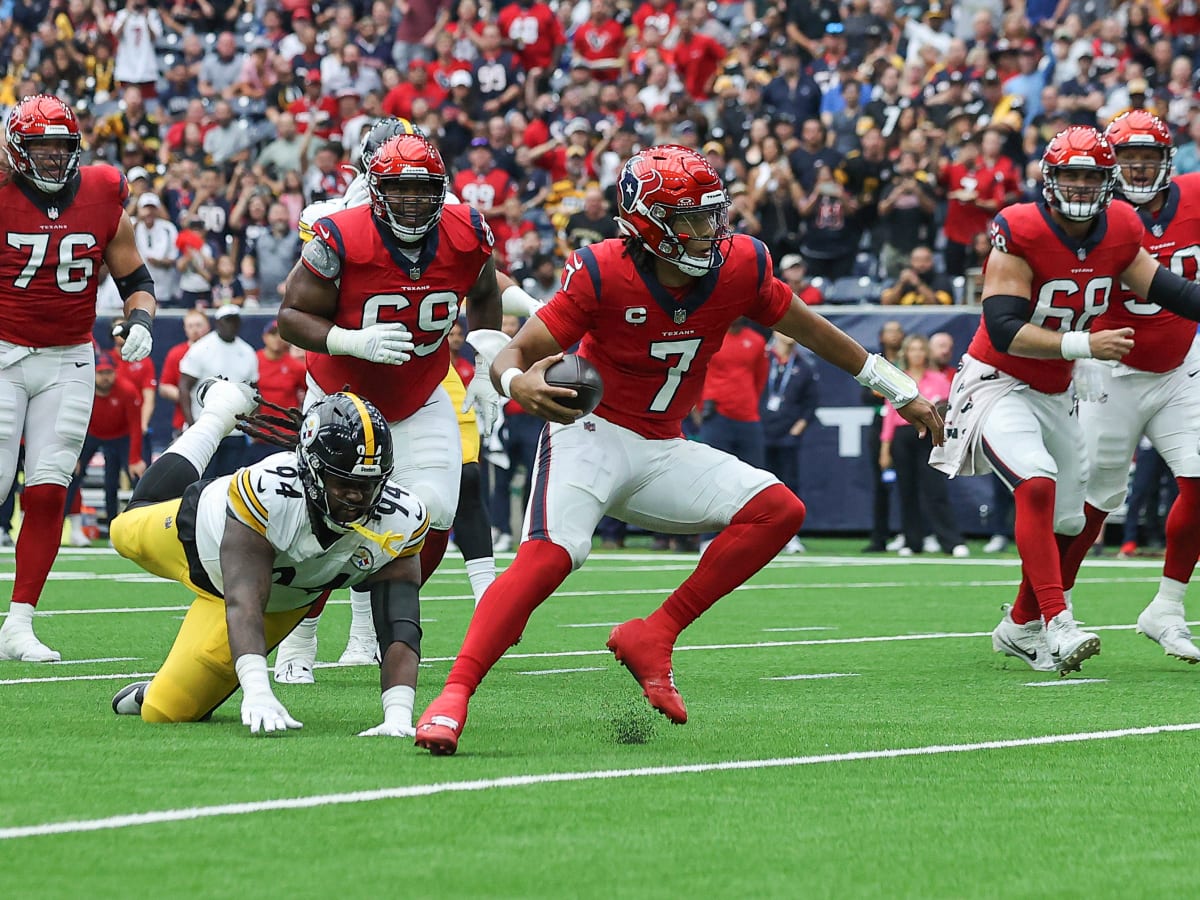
(1111, 345)
(390, 729)
(137, 469)
(924, 416)
(138, 342)
(388, 343)
(540, 399)
(263, 712)
(483, 396)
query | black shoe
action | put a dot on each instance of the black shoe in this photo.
(874, 547)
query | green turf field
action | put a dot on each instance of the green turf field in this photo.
(852, 735)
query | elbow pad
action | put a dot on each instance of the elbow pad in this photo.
(1003, 316)
(137, 280)
(396, 609)
(1175, 294)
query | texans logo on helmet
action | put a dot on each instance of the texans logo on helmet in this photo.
(633, 188)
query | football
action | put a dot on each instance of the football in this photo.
(581, 376)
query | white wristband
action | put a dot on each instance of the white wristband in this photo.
(398, 704)
(516, 301)
(882, 377)
(336, 341)
(252, 673)
(506, 380)
(1076, 345)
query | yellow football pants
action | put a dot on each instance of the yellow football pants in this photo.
(453, 384)
(198, 674)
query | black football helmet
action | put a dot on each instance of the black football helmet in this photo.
(378, 134)
(345, 436)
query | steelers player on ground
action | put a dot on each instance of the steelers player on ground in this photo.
(258, 547)
(472, 528)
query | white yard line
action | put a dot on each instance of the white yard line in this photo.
(123, 675)
(156, 817)
(813, 677)
(98, 659)
(1066, 682)
(562, 671)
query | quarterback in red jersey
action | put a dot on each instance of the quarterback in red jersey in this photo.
(1153, 389)
(373, 298)
(61, 222)
(650, 309)
(1053, 270)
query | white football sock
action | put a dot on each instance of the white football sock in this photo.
(199, 443)
(481, 572)
(362, 624)
(20, 616)
(1170, 591)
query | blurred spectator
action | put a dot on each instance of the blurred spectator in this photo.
(115, 430)
(793, 91)
(794, 271)
(891, 336)
(156, 238)
(285, 152)
(221, 68)
(419, 20)
(1187, 158)
(777, 199)
(975, 192)
(275, 252)
(195, 326)
(181, 88)
(919, 284)
(227, 287)
(736, 377)
(518, 439)
(535, 34)
(196, 263)
(281, 380)
(941, 353)
(135, 28)
(567, 194)
(787, 405)
(906, 213)
(325, 178)
(832, 237)
(219, 354)
(483, 185)
(227, 142)
(313, 110)
(592, 224)
(599, 43)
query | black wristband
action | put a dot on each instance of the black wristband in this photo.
(141, 317)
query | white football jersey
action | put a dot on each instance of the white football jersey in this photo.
(269, 498)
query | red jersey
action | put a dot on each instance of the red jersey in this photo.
(1073, 281)
(663, 20)
(696, 61)
(140, 374)
(965, 220)
(319, 116)
(119, 414)
(486, 192)
(737, 375)
(535, 32)
(1162, 339)
(51, 248)
(602, 44)
(380, 284)
(170, 375)
(652, 344)
(280, 381)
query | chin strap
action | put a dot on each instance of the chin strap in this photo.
(390, 541)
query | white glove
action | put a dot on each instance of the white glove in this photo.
(484, 397)
(389, 343)
(260, 708)
(138, 343)
(397, 714)
(390, 729)
(1088, 378)
(487, 342)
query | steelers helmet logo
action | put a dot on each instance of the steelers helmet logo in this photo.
(308, 430)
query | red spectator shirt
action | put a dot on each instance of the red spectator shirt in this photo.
(965, 220)
(320, 116)
(170, 375)
(399, 100)
(652, 344)
(485, 192)
(140, 374)
(1073, 281)
(662, 19)
(379, 284)
(601, 43)
(696, 61)
(119, 414)
(1161, 338)
(51, 250)
(508, 239)
(280, 381)
(535, 32)
(737, 375)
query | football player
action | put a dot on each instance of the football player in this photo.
(1153, 389)
(650, 309)
(1054, 267)
(61, 223)
(258, 547)
(297, 654)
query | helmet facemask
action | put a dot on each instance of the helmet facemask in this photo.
(1083, 202)
(694, 239)
(48, 161)
(1143, 170)
(411, 205)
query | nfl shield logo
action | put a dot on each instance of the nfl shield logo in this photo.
(414, 273)
(52, 212)
(1156, 230)
(680, 316)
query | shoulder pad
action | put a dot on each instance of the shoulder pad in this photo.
(321, 259)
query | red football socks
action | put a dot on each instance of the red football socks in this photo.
(432, 552)
(1039, 548)
(752, 539)
(37, 545)
(1183, 531)
(539, 568)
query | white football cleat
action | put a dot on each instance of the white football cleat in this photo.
(960, 551)
(793, 546)
(295, 658)
(997, 543)
(360, 651)
(896, 543)
(294, 671)
(21, 645)
(1163, 622)
(1024, 642)
(232, 398)
(128, 700)
(79, 539)
(1070, 645)
(930, 545)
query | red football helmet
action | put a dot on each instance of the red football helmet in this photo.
(1079, 148)
(670, 199)
(407, 181)
(1141, 179)
(42, 137)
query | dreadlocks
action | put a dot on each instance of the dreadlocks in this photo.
(282, 430)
